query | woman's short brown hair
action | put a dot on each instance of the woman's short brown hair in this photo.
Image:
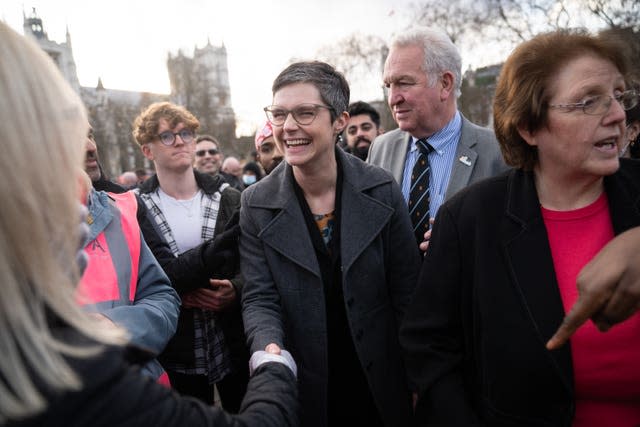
(145, 126)
(522, 92)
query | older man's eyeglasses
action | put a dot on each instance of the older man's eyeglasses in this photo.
(168, 138)
(303, 114)
(599, 104)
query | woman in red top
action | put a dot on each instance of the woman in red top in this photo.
(501, 268)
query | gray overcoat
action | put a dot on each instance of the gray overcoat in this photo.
(283, 299)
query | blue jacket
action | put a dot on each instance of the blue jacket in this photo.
(150, 315)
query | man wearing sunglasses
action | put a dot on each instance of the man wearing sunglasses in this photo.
(188, 208)
(209, 157)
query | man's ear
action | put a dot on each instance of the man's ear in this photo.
(447, 80)
(146, 151)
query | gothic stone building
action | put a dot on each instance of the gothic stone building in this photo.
(201, 84)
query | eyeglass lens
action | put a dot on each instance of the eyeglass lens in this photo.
(302, 114)
(601, 105)
(169, 138)
(629, 99)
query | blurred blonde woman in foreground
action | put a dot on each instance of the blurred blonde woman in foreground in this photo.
(58, 365)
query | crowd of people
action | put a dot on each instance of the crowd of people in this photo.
(438, 274)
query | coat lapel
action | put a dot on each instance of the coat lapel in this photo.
(528, 255)
(357, 234)
(279, 197)
(400, 150)
(464, 161)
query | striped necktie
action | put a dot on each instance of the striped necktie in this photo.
(419, 196)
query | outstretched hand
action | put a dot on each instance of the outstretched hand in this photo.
(272, 348)
(608, 287)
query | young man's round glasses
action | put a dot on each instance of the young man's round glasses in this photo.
(168, 138)
(303, 114)
(599, 104)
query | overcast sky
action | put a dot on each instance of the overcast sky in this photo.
(126, 42)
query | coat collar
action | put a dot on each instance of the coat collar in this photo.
(287, 233)
(100, 213)
(528, 257)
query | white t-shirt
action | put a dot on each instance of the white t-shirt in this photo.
(184, 218)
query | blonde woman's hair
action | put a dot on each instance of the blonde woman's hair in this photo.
(42, 134)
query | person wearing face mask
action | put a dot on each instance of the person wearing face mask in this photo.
(251, 173)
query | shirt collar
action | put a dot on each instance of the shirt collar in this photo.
(442, 138)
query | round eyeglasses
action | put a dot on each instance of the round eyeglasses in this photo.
(599, 104)
(303, 114)
(168, 138)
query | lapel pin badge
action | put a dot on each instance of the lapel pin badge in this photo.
(465, 160)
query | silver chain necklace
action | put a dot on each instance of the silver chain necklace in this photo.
(187, 205)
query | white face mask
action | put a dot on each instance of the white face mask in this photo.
(248, 179)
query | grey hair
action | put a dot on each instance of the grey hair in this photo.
(332, 85)
(440, 54)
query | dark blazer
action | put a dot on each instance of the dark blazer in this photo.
(477, 146)
(283, 299)
(487, 302)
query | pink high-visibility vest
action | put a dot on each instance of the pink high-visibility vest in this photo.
(114, 255)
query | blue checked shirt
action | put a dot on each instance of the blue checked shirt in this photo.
(444, 143)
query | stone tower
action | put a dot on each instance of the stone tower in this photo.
(61, 53)
(201, 84)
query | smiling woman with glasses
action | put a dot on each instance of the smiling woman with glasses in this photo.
(329, 259)
(501, 269)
